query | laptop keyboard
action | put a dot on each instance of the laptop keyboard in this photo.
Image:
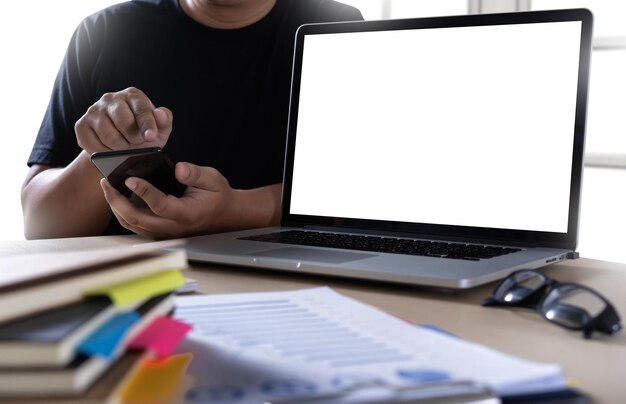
(391, 245)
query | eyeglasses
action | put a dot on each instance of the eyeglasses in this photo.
(569, 305)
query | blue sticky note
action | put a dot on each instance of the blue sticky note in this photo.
(106, 338)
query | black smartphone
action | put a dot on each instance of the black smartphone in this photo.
(149, 163)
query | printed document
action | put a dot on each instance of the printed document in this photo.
(256, 347)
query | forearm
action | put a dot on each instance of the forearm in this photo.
(259, 207)
(65, 202)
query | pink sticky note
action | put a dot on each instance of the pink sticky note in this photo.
(161, 336)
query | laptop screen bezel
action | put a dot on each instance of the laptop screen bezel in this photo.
(479, 234)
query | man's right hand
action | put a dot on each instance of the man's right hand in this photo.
(122, 120)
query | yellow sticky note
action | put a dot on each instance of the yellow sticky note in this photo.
(125, 293)
(155, 381)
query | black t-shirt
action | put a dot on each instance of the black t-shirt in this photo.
(228, 89)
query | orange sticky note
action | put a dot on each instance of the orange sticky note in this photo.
(155, 381)
(161, 336)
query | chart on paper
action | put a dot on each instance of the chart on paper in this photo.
(316, 341)
(293, 330)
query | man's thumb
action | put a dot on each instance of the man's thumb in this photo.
(192, 175)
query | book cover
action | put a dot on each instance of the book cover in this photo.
(27, 298)
(50, 337)
(18, 270)
(83, 370)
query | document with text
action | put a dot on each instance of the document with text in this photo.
(310, 343)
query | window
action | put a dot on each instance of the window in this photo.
(606, 143)
(385, 9)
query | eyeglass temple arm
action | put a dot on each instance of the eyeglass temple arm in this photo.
(607, 322)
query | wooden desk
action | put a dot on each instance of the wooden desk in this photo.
(596, 366)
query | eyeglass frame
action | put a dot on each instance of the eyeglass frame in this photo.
(607, 321)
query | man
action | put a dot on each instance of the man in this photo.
(221, 67)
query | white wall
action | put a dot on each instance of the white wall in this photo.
(33, 38)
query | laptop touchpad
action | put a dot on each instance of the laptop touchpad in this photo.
(309, 254)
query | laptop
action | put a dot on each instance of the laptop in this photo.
(443, 152)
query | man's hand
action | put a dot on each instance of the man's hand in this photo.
(122, 120)
(209, 205)
(68, 202)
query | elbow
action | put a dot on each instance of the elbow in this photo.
(32, 230)
(45, 217)
(29, 231)
(55, 205)
(33, 219)
(38, 222)
(26, 198)
(30, 234)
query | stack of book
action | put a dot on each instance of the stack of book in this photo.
(67, 317)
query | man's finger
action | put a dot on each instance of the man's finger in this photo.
(113, 197)
(164, 120)
(143, 110)
(129, 216)
(137, 220)
(88, 139)
(123, 117)
(109, 134)
(158, 202)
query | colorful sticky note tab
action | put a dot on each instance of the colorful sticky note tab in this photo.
(155, 381)
(161, 336)
(106, 338)
(126, 293)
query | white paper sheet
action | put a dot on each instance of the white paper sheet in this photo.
(257, 347)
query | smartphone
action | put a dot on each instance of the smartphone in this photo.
(149, 163)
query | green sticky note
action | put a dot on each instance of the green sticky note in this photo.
(125, 293)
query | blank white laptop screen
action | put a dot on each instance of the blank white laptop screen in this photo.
(468, 126)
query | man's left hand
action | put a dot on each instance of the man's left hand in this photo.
(208, 205)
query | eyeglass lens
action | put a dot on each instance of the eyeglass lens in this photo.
(567, 304)
(519, 286)
(571, 306)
